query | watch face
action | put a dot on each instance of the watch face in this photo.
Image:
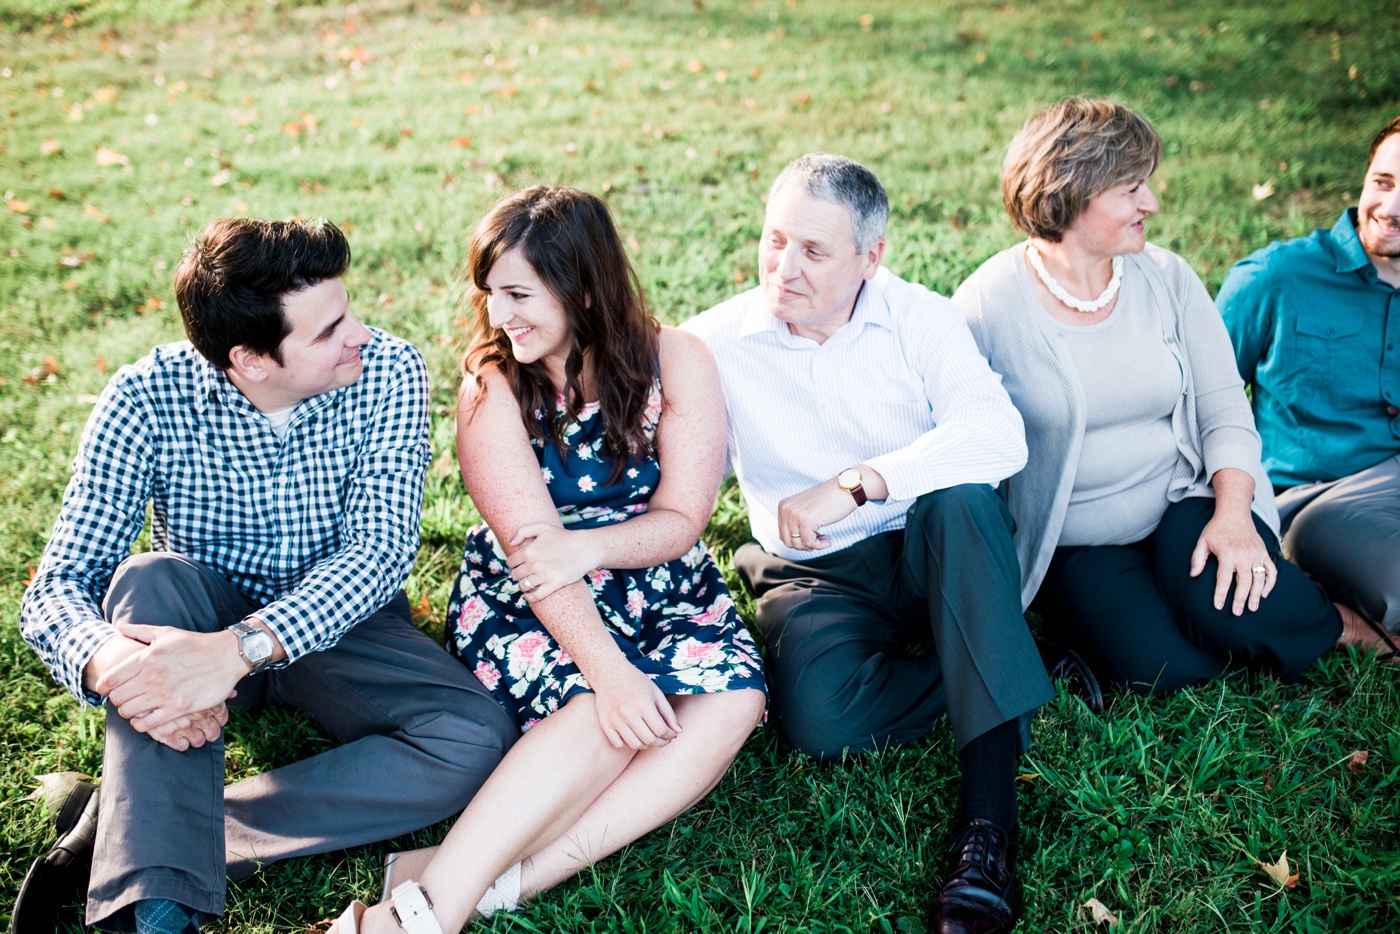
(848, 479)
(257, 647)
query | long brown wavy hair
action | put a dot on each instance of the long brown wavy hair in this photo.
(569, 239)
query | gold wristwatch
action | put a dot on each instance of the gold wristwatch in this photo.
(850, 481)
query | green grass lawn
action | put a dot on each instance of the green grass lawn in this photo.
(125, 125)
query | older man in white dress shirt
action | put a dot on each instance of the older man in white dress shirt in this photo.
(868, 435)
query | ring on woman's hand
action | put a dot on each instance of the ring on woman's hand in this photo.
(527, 584)
(1259, 569)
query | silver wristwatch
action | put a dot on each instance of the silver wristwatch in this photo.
(255, 646)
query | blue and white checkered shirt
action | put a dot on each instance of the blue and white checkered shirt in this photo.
(319, 528)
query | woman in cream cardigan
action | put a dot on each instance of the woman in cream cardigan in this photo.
(1145, 524)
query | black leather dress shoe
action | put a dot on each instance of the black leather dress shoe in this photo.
(59, 876)
(978, 893)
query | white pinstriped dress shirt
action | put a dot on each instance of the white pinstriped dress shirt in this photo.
(901, 388)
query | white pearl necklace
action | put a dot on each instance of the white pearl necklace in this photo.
(1057, 290)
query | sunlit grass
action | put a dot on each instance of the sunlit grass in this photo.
(128, 124)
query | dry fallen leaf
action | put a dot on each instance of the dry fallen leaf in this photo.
(107, 156)
(18, 206)
(221, 178)
(1279, 871)
(1263, 191)
(54, 788)
(422, 609)
(51, 146)
(1100, 912)
(1356, 762)
(94, 212)
(106, 95)
(72, 260)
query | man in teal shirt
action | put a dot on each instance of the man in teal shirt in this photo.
(1316, 327)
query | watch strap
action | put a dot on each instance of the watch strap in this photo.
(858, 491)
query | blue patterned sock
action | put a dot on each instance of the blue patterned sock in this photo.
(162, 916)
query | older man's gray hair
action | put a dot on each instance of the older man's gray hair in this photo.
(835, 178)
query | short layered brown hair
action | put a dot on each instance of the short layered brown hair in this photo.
(1065, 155)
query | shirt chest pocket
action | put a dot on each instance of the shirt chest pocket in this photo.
(1325, 349)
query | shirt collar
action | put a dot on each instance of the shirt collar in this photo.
(1346, 245)
(213, 384)
(871, 308)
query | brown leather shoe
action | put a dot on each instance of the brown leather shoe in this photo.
(977, 895)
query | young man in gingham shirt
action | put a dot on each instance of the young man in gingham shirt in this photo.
(282, 450)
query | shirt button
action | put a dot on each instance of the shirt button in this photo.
(1329, 332)
(1392, 411)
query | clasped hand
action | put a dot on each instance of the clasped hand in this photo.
(802, 516)
(633, 712)
(547, 557)
(174, 684)
(1238, 549)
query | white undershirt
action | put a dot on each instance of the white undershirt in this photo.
(279, 420)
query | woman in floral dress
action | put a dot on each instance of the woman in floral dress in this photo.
(592, 442)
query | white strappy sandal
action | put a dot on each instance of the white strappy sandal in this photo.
(413, 910)
(349, 921)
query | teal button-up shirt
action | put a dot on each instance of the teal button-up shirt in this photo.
(1317, 335)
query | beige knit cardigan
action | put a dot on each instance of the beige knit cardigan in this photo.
(1212, 419)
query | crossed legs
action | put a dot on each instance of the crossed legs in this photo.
(1139, 618)
(420, 735)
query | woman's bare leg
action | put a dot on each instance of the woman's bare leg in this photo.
(656, 786)
(547, 780)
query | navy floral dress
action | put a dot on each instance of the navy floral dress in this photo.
(675, 622)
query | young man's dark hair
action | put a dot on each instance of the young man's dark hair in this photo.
(230, 283)
(1387, 131)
